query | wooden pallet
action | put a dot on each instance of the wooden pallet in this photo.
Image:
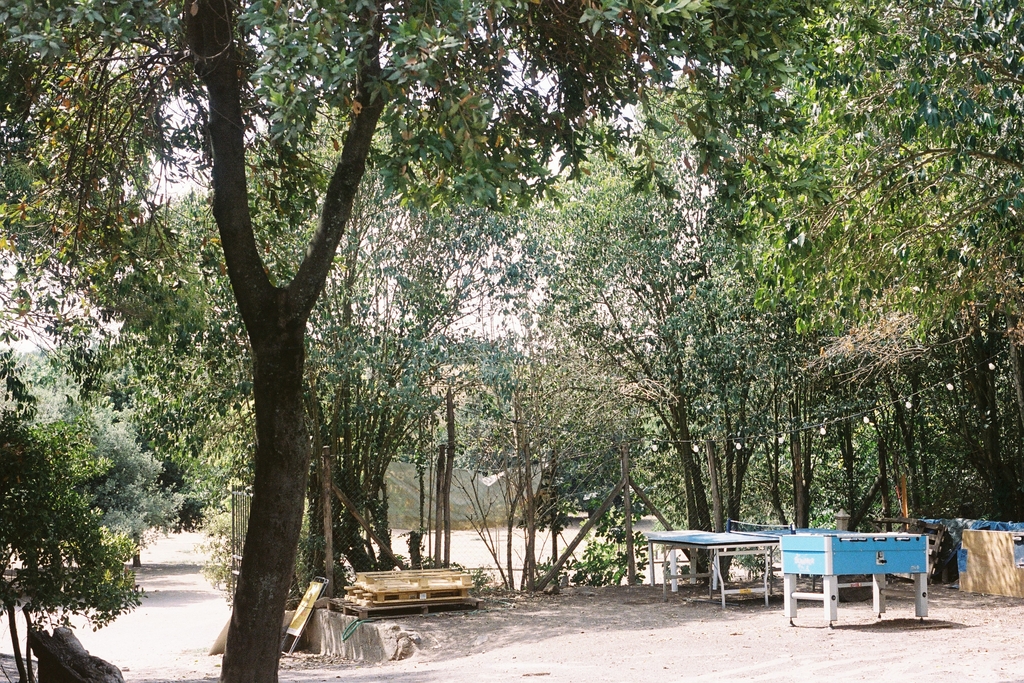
(373, 589)
(421, 578)
(386, 597)
(365, 611)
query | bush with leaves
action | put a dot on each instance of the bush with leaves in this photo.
(605, 559)
(62, 560)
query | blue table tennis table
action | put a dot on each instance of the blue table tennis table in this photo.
(827, 553)
(716, 545)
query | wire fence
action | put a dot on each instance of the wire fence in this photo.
(241, 504)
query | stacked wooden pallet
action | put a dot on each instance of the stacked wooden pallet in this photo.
(374, 589)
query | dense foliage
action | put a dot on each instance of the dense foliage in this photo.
(769, 251)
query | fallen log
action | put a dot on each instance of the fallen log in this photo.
(62, 659)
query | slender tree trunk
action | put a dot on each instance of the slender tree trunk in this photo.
(28, 647)
(775, 476)
(529, 511)
(905, 422)
(510, 527)
(698, 516)
(775, 465)
(883, 474)
(422, 492)
(449, 470)
(442, 463)
(15, 643)
(846, 450)
(799, 486)
(716, 496)
(800, 453)
(1013, 333)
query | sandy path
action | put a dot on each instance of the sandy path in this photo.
(618, 634)
(167, 638)
(594, 636)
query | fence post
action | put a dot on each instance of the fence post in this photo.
(325, 487)
(627, 504)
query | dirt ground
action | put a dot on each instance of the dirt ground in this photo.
(593, 636)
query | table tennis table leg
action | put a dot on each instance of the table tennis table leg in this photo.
(650, 556)
(674, 567)
(878, 593)
(713, 561)
(789, 604)
(767, 568)
(920, 595)
(717, 577)
(830, 591)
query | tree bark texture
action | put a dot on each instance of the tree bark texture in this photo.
(62, 659)
(275, 320)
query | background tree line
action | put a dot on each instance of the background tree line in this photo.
(782, 238)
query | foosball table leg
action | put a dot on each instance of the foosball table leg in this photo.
(878, 593)
(921, 595)
(830, 586)
(789, 603)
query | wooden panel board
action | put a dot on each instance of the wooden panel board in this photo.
(990, 564)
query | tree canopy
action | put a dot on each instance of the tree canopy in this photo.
(773, 245)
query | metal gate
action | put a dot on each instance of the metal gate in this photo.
(241, 503)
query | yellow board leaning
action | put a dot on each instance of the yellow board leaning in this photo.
(305, 608)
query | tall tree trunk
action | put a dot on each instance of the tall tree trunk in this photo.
(275, 321)
(279, 486)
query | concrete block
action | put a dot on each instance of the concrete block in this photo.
(371, 642)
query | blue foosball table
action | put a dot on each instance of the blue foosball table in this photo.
(844, 554)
